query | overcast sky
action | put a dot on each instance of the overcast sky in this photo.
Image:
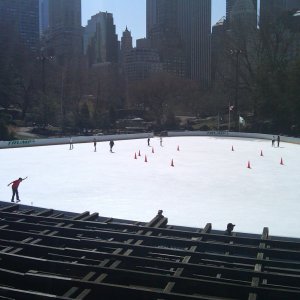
(132, 13)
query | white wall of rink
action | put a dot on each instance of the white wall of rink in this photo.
(103, 138)
(234, 134)
(75, 140)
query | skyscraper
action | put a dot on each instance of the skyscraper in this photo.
(217, 46)
(64, 36)
(165, 37)
(151, 15)
(64, 14)
(195, 31)
(126, 41)
(22, 17)
(141, 62)
(292, 4)
(280, 4)
(180, 30)
(100, 39)
(44, 16)
(237, 7)
(279, 15)
(272, 9)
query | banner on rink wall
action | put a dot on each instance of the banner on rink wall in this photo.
(104, 138)
(75, 140)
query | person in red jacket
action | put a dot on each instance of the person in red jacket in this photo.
(15, 185)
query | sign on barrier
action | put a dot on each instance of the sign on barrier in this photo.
(218, 133)
(104, 138)
(21, 142)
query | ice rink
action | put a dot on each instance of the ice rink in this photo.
(209, 182)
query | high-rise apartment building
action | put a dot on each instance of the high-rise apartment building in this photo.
(126, 43)
(241, 29)
(141, 62)
(270, 10)
(271, 13)
(294, 51)
(165, 37)
(22, 19)
(292, 4)
(151, 15)
(279, 5)
(64, 35)
(195, 31)
(218, 37)
(243, 9)
(100, 39)
(44, 16)
(181, 32)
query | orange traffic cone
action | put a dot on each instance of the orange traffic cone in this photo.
(172, 163)
(146, 158)
(178, 148)
(261, 153)
(281, 161)
(139, 153)
(232, 148)
(248, 166)
(135, 156)
(152, 150)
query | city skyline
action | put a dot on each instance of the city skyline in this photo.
(135, 19)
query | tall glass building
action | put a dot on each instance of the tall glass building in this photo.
(271, 9)
(64, 35)
(181, 30)
(44, 16)
(22, 18)
(100, 39)
(230, 4)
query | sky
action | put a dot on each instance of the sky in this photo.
(209, 182)
(132, 13)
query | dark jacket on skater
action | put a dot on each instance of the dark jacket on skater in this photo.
(111, 144)
(273, 141)
(278, 140)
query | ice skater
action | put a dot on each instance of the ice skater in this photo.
(71, 144)
(229, 229)
(160, 141)
(95, 145)
(111, 144)
(15, 185)
(148, 141)
(278, 140)
(273, 141)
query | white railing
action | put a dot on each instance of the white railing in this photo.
(104, 138)
(75, 140)
(234, 134)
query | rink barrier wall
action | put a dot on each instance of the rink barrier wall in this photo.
(234, 135)
(75, 140)
(106, 138)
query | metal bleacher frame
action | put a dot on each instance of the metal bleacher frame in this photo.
(46, 254)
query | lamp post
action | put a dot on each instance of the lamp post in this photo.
(236, 53)
(62, 108)
(229, 120)
(43, 58)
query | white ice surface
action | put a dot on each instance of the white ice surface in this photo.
(209, 183)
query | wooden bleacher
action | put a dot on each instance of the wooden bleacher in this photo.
(46, 253)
